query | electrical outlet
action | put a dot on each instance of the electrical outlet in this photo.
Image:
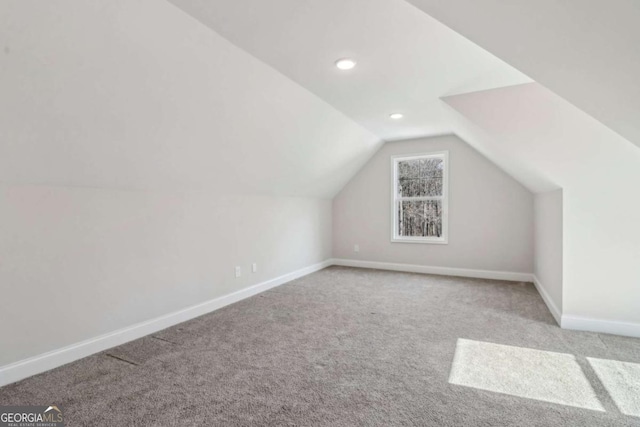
(238, 271)
(356, 248)
(254, 267)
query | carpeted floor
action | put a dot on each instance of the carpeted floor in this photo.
(341, 347)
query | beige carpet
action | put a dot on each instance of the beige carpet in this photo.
(352, 347)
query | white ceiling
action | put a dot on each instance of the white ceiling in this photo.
(138, 94)
(586, 51)
(406, 59)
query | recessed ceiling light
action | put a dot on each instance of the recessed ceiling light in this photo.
(396, 116)
(345, 63)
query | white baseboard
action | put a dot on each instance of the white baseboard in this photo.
(553, 308)
(44, 362)
(443, 271)
(614, 327)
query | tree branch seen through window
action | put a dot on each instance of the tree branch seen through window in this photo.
(419, 198)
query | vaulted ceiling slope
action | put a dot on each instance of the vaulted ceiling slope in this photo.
(140, 95)
(406, 60)
(583, 50)
(599, 172)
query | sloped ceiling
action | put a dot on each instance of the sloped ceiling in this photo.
(123, 94)
(413, 55)
(406, 59)
(586, 51)
(533, 127)
(143, 95)
(499, 151)
(599, 172)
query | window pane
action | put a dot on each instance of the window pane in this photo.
(419, 218)
(420, 177)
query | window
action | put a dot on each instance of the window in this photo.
(419, 208)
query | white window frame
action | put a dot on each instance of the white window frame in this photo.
(395, 238)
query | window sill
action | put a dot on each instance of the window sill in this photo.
(422, 241)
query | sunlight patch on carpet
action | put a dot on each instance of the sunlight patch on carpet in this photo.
(523, 372)
(622, 381)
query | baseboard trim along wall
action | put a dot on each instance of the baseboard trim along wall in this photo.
(52, 359)
(614, 327)
(553, 308)
(443, 271)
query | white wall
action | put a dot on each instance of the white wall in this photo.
(142, 157)
(77, 262)
(599, 173)
(548, 246)
(490, 220)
